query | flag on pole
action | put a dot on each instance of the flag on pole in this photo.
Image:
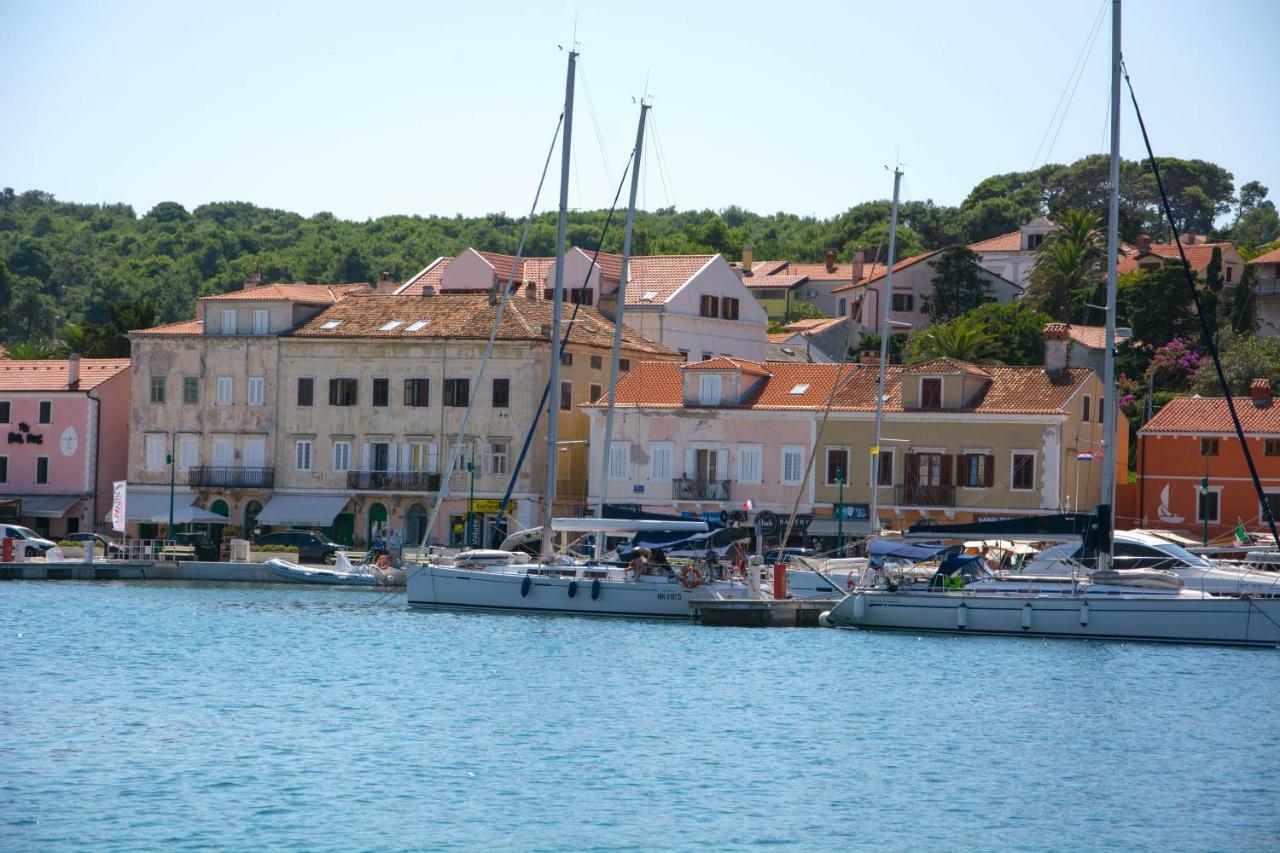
(1241, 536)
(1084, 457)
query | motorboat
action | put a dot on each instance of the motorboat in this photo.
(336, 576)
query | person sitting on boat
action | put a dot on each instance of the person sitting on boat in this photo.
(639, 562)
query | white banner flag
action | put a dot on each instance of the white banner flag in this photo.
(117, 506)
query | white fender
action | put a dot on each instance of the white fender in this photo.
(962, 616)
(824, 619)
(1026, 616)
(859, 606)
(1084, 613)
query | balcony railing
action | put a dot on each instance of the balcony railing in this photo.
(685, 489)
(230, 477)
(925, 495)
(393, 481)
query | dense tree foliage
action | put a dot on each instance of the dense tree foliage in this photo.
(1003, 334)
(1244, 358)
(958, 285)
(1069, 264)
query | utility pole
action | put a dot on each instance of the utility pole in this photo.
(886, 298)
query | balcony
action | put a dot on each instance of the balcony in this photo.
(683, 489)
(393, 481)
(925, 495)
(230, 477)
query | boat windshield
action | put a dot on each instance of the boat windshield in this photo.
(1183, 554)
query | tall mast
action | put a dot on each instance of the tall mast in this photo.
(1106, 504)
(553, 399)
(886, 299)
(617, 325)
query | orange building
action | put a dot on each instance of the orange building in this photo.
(1191, 439)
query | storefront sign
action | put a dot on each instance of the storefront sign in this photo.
(853, 512)
(492, 507)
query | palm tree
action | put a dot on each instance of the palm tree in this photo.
(38, 348)
(1068, 263)
(958, 340)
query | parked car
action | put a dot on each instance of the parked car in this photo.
(312, 547)
(30, 544)
(206, 551)
(102, 546)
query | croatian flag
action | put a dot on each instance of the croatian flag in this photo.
(748, 505)
(1084, 457)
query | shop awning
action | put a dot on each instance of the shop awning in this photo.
(313, 510)
(153, 507)
(44, 506)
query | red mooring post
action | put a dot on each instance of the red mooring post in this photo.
(779, 580)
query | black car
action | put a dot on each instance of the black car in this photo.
(206, 551)
(312, 547)
(101, 544)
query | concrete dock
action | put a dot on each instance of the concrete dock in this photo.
(112, 570)
(763, 613)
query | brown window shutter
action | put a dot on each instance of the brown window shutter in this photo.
(991, 472)
(911, 471)
(963, 460)
(946, 470)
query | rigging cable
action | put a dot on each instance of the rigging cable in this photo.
(1075, 68)
(1267, 513)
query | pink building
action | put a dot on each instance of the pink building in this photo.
(66, 433)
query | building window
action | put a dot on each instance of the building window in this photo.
(750, 459)
(706, 356)
(155, 452)
(566, 359)
(1230, 270)
(4, 469)
(709, 306)
(1208, 447)
(343, 392)
(837, 465)
(42, 470)
(566, 396)
(188, 452)
(226, 390)
(224, 452)
(1207, 505)
(1024, 472)
(596, 393)
(1034, 241)
(684, 354)
(381, 392)
(498, 453)
(460, 466)
(302, 455)
(843, 306)
(729, 308)
(157, 389)
(1087, 401)
(260, 321)
(424, 457)
(620, 460)
(659, 461)
(931, 393)
(257, 390)
(502, 393)
(1273, 503)
(228, 321)
(417, 393)
(4, 411)
(306, 391)
(624, 364)
(191, 389)
(885, 468)
(1271, 447)
(792, 465)
(45, 413)
(341, 456)
(975, 470)
(904, 302)
(457, 392)
(709, 390)
(597, 362)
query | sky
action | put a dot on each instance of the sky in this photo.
(392, 106)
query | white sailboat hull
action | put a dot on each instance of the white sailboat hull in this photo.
(1165, 619)
(456, 588)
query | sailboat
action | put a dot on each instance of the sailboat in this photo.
(1158, 608)
(500, 580)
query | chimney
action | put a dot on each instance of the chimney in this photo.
(1055, 347)
(748, 258)
(859, 257)
(1144, 245)
(1260, 391)
(831, 260)
(252, 281)
(73, 371)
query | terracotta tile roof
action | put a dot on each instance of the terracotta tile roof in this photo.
(724, 362)
(51, 374)
(813, 326)
(779, 337)
(1198, 255)
(875, 272)
(1093, 337)
(945, 365)
(463, 315)
(1011, 390)
(1011, 242)
(768, 267)
(819, 271)
(1272, 257)
(308, 294)
(182, 327)
(661, 275)
(1210, 415)
(432, 275)
(774, 282)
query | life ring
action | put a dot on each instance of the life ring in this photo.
(384, 562)
(690, 577)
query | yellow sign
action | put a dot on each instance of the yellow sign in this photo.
(492, 507)
(875, 450)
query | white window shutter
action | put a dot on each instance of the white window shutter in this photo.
(722, 464)
(433, 458)
(366, 456)
(405, 458)
(690, 463)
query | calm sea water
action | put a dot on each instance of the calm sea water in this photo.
(170, 716)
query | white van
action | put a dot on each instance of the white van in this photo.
(30, 544)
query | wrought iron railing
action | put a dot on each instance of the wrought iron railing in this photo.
(684, 489)
(231, 476)
(397, 481)
(917, 495)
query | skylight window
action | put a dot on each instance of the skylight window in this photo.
(332, 324)
(416, 326)
(394, 324)
(649, 296)
(800, 389)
